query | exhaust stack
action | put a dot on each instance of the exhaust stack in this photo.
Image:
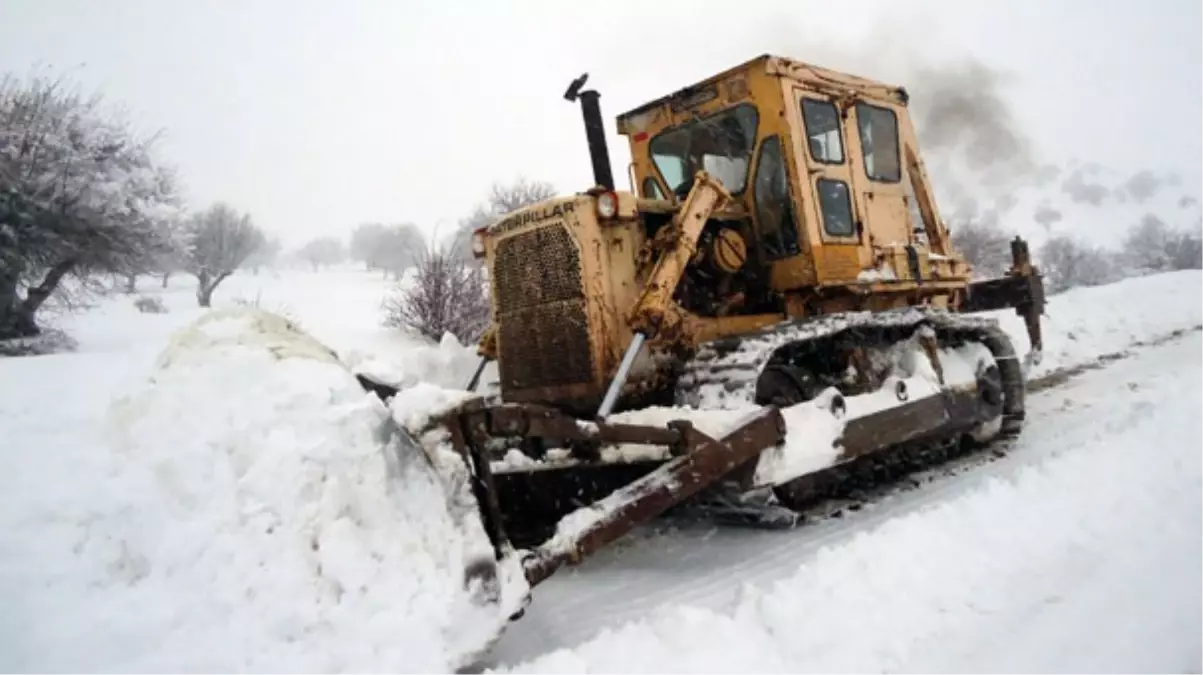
(595, 130)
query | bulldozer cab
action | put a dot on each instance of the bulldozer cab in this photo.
(823, 165)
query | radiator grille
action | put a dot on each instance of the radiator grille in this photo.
(544, 336)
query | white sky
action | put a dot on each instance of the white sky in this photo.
(317, 116)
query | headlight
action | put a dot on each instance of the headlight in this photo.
(607, 205)
(478, 243)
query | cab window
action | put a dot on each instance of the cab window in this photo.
(721, 144)
(836, 205)
(823, 131)
(651, 189)
(879, 139)
(778, 235)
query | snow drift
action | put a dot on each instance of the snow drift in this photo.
(263, 513)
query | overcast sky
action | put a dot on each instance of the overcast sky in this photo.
(316, 116)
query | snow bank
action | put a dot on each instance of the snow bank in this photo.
(259, 512)
(1087, 562)
(1082, 324)
(404, 361)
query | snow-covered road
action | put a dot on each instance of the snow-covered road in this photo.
(1079, 551)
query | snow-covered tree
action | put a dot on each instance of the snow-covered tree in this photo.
(220, 239)
(401, 247)
(81, 195)
(265, 255)
(1067, 263)
(1152, 246)
(365, 244)
(504, 198)
(1147, 242)
(985, 246)
(390, 248)
(322, 251)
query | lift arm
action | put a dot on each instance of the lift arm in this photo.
(647, 317)
(706, 197)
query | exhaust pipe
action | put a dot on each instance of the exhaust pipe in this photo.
(595, 130)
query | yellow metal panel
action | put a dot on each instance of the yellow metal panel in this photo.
(838, 264)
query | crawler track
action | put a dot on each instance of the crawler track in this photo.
(733, 374)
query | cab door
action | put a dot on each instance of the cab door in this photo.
(878, 174)
(834, 223)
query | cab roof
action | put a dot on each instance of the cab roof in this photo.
(818, 78)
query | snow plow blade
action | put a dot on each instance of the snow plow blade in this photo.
(610, 499)
(564, 508)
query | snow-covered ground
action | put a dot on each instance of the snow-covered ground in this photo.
(1079, 552)
(113, 537)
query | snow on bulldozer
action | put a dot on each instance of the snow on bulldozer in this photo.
(771, 315)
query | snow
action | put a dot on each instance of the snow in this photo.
(254, 509)
(144, 469)
(813, 428)
(1083, 559)
(1084, 324)
(571, 527)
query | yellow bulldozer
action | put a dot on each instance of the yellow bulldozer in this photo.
(774, 308)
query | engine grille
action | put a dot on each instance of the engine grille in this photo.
(544, 328)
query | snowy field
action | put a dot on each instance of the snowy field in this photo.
(128, 542)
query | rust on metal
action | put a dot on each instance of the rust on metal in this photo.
(705, 461)
(541, 309)
(931, 348)
(465, 440)
(930, 416)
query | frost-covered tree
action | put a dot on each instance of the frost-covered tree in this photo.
(447, 295)
(388, 248)
(365, 244)
(1152, 246)
(401, 247)
(985, 246)
(1067, 263)
(322, 252)
(1147, 244)
(503, 198)
(265, 255)
(220, 239)
(81, 195)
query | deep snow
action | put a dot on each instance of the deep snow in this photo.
(73, 490)
(257, 511)
(1082, 553)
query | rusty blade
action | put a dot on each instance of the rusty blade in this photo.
(535, 421)
(706, 461)
(931, 416)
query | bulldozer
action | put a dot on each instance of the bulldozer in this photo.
(772, 309)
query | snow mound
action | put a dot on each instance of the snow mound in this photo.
(404, 361)
(267, 515)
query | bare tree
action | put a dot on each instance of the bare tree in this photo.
(80, 196)
(503, 199)
(1067, 263)
(522, 192)
(986, 247)
(220, 241)
(448, 295)
(322, 252)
